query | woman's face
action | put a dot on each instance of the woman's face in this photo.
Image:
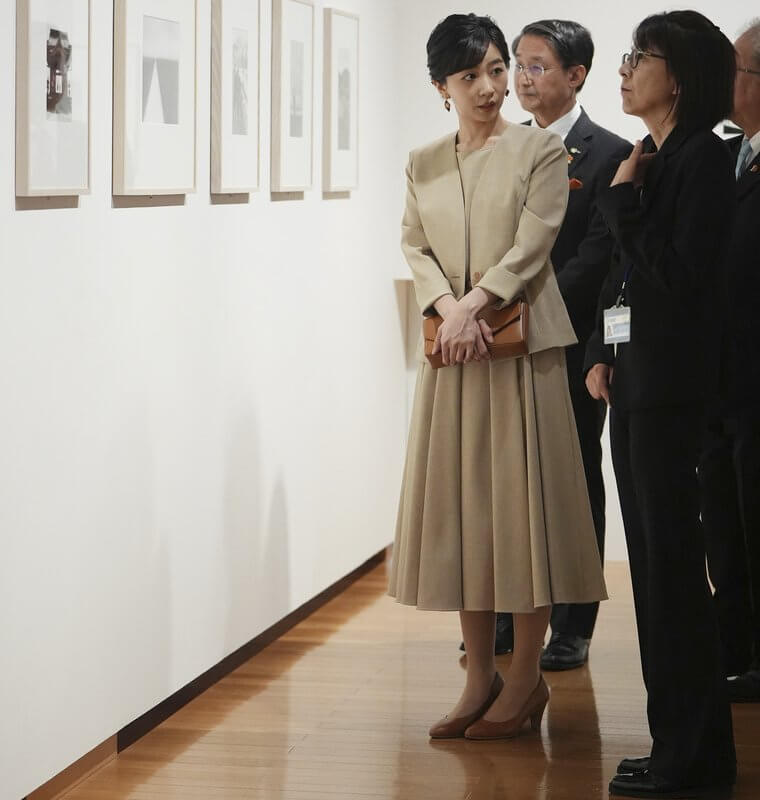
(648, 90)
(478, 93)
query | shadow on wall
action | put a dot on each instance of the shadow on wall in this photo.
(222, 717)
(258, 555)
(139, 540)
(274, 567)
(242, 529)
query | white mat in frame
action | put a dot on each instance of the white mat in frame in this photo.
(154, 97)
(341, 100)
(292, 94)
(52, 97)
(234, 96)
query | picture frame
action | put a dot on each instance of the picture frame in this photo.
(52, 98)
(340, 139)
(292, 95)
(154, 97)
(235, 60)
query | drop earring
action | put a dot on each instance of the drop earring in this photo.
(447, 104)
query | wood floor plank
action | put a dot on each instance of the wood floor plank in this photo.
(339, 708)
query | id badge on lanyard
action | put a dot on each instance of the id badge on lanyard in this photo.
(617, 320)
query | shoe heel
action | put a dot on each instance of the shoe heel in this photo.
(535, 718)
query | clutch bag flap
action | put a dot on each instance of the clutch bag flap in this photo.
(509, 326)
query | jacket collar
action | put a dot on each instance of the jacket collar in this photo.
(580, 139)
(749, 180)
(677, 137)
(734, 145)
(444, 193)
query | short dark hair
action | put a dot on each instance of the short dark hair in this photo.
(460, 42)
(700, 58)
(571, 42)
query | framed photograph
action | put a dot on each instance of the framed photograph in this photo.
(154, 97)
(234, 96)
(292, 94)
(341, 122)
(52, 97)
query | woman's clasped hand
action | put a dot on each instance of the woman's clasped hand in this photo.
(462, 337)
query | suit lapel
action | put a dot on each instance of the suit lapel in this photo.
(734, 145)
(578, 143)
(750, 178)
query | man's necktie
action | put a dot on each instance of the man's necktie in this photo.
(741, 161)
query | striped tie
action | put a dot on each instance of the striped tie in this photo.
(741, 161)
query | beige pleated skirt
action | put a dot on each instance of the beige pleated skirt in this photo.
(494, 512)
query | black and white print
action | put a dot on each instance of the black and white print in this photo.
(297, 81)
(59, 49)
(161, 57)
(239, 82)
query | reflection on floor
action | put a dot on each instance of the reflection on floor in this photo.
(340, 706)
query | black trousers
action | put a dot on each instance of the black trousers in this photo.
(655, 454)
(729, 480)
(579, 619)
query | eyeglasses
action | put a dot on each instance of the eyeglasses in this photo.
(532, 71)
(633, 58)
(748, 71)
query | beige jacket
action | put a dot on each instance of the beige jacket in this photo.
(517, 209)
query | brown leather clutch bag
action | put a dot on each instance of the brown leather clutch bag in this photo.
(509, 326)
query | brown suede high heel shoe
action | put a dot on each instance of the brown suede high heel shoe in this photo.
(454, 728)
(533, 709)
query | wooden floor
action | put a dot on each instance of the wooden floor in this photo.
(340, 706)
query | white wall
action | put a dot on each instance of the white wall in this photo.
(202, 415)
(611, 25)
(203, 412)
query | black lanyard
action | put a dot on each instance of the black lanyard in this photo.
(621, 297)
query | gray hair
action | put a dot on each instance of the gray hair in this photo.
(753, 30)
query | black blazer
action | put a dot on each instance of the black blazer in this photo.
(672, 236)
(740, 378)
(582, 253)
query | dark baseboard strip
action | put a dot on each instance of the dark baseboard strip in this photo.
(151, 719)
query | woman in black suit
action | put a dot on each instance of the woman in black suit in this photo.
(670, 209)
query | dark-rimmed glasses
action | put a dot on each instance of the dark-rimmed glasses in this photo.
(633, 58)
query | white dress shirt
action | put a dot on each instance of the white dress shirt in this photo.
(564, 124)
(754, 143)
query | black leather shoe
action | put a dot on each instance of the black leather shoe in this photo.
(744, 688)
(644, 784)
(564, 652)
(505, 635)
(633, 765)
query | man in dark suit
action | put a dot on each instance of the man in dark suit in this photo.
(553, 59)
(729, 468)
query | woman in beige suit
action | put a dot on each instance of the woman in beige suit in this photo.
(494, 512)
